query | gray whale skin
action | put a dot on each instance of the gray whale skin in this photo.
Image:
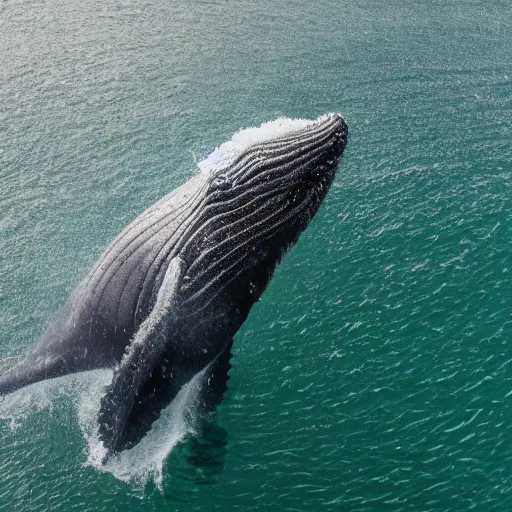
(169, 293)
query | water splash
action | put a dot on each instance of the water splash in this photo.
(146, 459)
(84, 390)
(17, 407)
(224, 155)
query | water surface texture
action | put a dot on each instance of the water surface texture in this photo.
(376, 372)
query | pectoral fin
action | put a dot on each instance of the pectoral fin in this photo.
(215, 381)
(143, 356)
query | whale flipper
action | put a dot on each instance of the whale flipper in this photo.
(142, 358)
(215, 381)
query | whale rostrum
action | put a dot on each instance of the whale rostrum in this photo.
(167, 296)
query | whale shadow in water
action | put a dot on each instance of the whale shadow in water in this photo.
(206, 450)
(200, 458)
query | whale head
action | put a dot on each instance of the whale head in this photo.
(263, 188)
(294, 158)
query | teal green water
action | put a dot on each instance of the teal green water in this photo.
(376, 372)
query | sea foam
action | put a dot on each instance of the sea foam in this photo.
(224, 155)
(84, 390)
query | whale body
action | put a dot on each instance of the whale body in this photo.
(169, 293)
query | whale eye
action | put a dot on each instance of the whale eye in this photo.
(220, 183)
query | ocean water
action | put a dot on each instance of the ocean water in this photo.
(376, 372)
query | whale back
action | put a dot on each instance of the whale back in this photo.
(118, 293)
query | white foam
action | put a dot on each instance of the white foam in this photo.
(84, 390)
(222, 156)
(19, 406)
(146, 459)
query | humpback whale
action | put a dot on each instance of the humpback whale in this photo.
(169, 293)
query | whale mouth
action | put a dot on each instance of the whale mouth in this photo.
(257, 207)
(253, 157)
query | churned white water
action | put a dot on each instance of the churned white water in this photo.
(145, 460)
(137, 465)
(18, 406)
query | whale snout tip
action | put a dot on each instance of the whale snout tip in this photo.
(340, 125)
(339, 132)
